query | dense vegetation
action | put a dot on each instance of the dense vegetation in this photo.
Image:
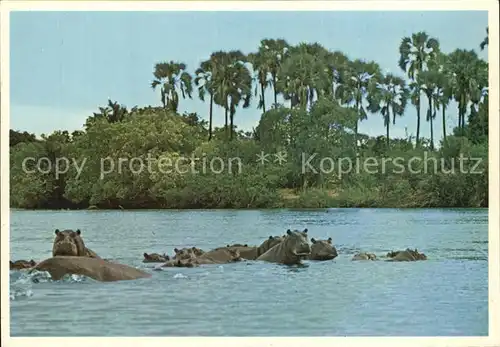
(326, 96)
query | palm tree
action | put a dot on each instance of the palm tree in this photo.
(468, 80)
(172, 77)
(113, 112)
(232, 84)
(336, 62)
(302, 76)
(485, 41)
(261, 62)
(390, 94)
(415, 52)
(429, 81)
(204, 80)
(274, 52)
(354, 86)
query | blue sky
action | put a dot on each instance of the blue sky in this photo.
(64, 65)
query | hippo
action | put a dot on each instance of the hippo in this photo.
(217, 256)
(21, 264)
(186, 253)
(406, 255)
(96, 268)
(364, 256)
(253, 252)
(70, 243)
(155, 258)
(180, 263)
(322, 250)
(290, 251)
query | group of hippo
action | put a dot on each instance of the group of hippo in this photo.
(71, 256)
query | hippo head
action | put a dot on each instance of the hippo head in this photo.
(197, 251)
(323, 249)
(417, 255)
(392, 254)
(68, 243)
(297, 242)
(155, 258)
(185, 253)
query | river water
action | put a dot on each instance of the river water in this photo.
(445, 295)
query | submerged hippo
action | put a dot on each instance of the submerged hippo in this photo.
(21, 264)
(253, 252)
(216, 256)
(96, 268)
(187, 253)
(322, 250)
(364, 256)
(155, 258)
(70, 243)
(406, 255)
(290, 251)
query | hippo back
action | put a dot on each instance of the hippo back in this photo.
(268, 244)
(95, 268)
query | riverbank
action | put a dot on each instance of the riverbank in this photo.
(287, 199)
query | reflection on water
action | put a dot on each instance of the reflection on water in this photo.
(445, 295)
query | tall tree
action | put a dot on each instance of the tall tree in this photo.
(429, 82)
(261, 65)
(390, 94)
(354, 86)
(303, 75)
(274, 52)
(415, 52)
(204, 80)
(172, 77)
(468, 78)
(232, 84)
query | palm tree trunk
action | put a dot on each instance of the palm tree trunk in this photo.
(418, 122)
(210, 117)
(356, 125)
(275, 91)
(388, 121)
(430, 122)
(225, 124)
(231, 116)
(263, 99)
(444, 123)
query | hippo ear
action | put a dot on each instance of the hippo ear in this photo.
(145, 255)
(57, 231)
(78, 232)
(313, 240)
(329, 240)
(289, 232)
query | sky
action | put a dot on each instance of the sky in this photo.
(64, 65)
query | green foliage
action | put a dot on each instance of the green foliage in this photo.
(307, 153)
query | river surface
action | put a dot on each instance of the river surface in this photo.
(444, 295)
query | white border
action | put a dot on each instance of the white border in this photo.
(494, 241)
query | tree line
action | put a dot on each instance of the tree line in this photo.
(326, 95)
